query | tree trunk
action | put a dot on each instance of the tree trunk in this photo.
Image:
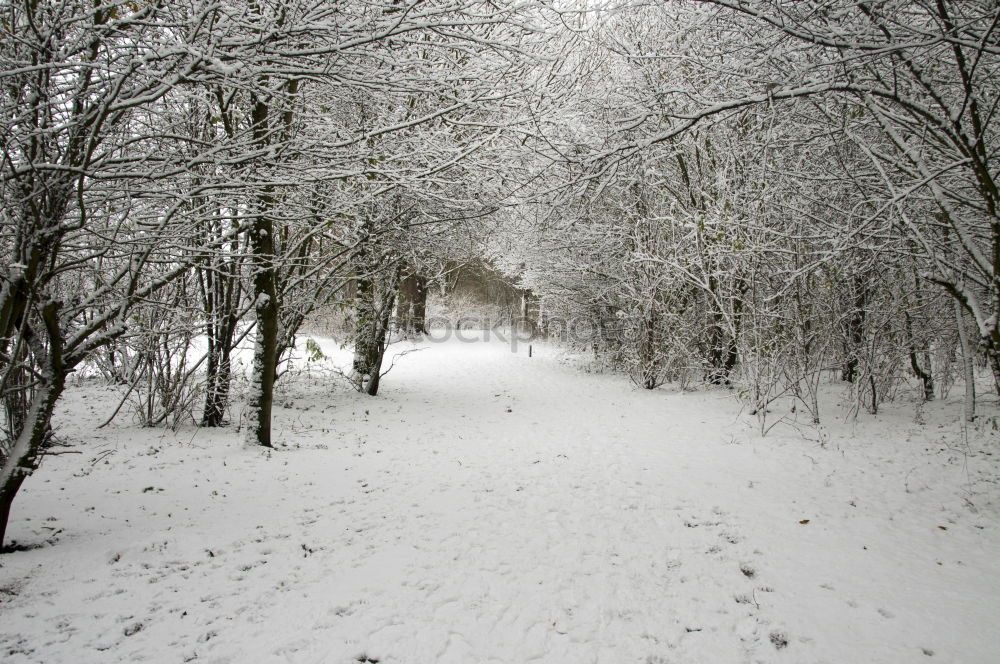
(26, 449)
(219, 373)
(649, 354)
(925, 376)
(419, 320)
(412, 303)
(992, 345)
(365, 333)
(405, 301)
(968, 369)
(854, 333)
(374, 304)
(7, 493)
(722, 352)
(265, 360)
(221, 292)
(265, 288)
(381, 342)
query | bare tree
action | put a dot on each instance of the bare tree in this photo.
(80, 195)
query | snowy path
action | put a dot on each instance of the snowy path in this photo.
(493, 508)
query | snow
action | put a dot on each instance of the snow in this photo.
(488, 507)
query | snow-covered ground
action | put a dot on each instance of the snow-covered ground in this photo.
(490, 507)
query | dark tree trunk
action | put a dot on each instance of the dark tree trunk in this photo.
(924, 373)
(419, 321)
(374, 304)
(7, 494)
(649, 354)
(265, 292)
(28, 442)
(365, 337)
(412, 303)
(925, 376)
(968, 369)
(219, 373)
(733, 358)
(874, 394)
(854, 332)
(991, 344)
(220, 289)
(27, 449)
(211, 415)
(265, 284)
(381, 342)
(405, 300)
(722, 353)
